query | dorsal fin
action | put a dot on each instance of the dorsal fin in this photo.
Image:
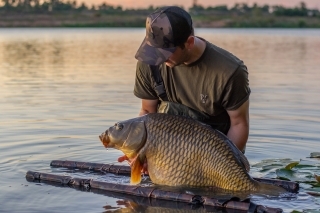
(241, 157)
(244, 161)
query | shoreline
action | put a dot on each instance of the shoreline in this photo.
(100, 20)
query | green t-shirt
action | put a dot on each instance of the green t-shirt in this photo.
(216, 82)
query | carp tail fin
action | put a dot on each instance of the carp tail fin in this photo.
(270, 189)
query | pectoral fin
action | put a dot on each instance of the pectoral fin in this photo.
(136, 167)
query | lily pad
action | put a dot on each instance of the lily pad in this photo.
(270, 167)
(310, 211)
(291, 165)
(285, 174)
(272, 163)
(297, 176)
(315, 184)
(307, 163)
(314, 189)
(315, 155)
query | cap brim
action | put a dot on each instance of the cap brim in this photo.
(152, 55)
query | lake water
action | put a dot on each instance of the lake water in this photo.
(60, 88)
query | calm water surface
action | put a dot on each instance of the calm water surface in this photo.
(60, 88)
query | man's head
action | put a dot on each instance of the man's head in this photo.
(166, 29)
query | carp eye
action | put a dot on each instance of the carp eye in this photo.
(118, 126)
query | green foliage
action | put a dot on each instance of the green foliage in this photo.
(28, 12)
(291, 165)
(242, 8)
(281, 11)
(222, 8)
(274, 22)
(306, 172)
(36, 6)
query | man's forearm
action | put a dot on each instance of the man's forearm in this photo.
(143, 112)
(148, 106)
(239, 129)
(239, 134)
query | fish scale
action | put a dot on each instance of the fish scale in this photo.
(172, 150)
(182, 152)
(167, 157)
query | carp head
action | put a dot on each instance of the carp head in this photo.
(127, 136)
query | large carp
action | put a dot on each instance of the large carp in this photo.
(181, 152)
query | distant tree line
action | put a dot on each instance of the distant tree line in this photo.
(37, 6)
(244, 8)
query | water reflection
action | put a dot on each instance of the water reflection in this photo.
(129, 203)
(60, 88)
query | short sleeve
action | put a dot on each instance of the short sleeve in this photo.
(143, 84)
(237, 90)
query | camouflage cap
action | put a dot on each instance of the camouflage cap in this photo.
(166, 28)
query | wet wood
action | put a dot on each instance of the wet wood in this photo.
(151, 192)
(290, 186)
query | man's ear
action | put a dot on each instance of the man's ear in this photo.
(190, 42)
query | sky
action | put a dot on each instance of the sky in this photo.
(187, 3)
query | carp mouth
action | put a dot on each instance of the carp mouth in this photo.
(104, 138)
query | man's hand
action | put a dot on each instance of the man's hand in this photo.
(123, 158)
(144, 168)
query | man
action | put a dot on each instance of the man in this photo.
(195, 73)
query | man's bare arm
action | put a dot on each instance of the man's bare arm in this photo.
(239, 127)
(148, 106)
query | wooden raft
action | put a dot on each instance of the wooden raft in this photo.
(151, 191)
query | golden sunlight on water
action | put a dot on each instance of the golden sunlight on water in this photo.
(60, 88)
(61, 53)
